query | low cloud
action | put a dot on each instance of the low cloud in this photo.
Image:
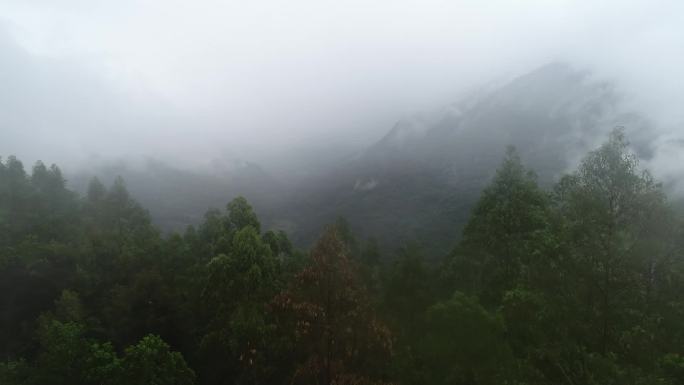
(191, 81)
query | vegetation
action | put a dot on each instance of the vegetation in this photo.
(581, 284)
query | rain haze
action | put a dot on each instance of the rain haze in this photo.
(191, 81)
(317, 192)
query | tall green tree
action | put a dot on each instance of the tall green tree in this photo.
(507, 237)
(618, 233)
(236, 291)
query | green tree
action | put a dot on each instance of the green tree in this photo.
(96, 191)
(152, 362)
(407, 292)
(15, 373)
(241, 215)
(507, 237)
(610, 209)
(465, 344)
(67, 357)
(234, 297)
(279, 243)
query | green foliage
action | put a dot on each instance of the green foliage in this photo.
(67, 357)
(580, 285)
(407, 292)
(241, 215)
(15, 373)
(508, 238)
(68, 307)
(279, 243)
(610, 210)
(236, 289)
(152, 362)
(464, 344)
(524, 313)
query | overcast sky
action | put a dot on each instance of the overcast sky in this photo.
(191, 80)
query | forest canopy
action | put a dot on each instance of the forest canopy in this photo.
(580, 283)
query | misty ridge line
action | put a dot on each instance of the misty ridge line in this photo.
(415, 126)
(553, 116)
(87, 90)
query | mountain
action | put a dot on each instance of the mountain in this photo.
(419, 182)
(177, 198)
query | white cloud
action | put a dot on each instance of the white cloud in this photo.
(190, 79)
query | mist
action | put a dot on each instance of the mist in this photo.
(188, 83)
(404, 192)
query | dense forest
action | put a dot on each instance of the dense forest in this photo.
(578, 284)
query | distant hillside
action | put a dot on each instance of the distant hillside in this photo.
(419, 182)
(177, 198)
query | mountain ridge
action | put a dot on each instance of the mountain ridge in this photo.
(419, 181)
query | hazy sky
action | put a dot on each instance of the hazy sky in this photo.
(190, 80)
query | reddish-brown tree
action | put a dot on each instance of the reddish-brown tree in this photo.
(336, 337)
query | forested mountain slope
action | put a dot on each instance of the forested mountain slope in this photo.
(420, 181)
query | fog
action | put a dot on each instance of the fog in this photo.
(321, 192)
(188, 82)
